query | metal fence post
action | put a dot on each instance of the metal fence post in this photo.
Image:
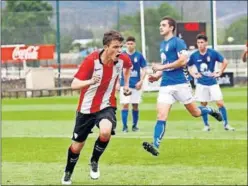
(58, 45)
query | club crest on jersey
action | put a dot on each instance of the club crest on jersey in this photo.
(135, 59)
(208, 59)
(167, 47)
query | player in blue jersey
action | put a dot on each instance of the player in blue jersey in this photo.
(207, 89)
(174, 85)
(137, 77)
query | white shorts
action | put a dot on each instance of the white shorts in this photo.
(134, 98)
(172, 93)
(204, 93)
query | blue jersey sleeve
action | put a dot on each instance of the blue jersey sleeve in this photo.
(181, 46)
(191, 60)
(143, 62)
(219, 57)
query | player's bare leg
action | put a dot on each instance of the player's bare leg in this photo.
(163, 111)
(101, 143)
(201, 110)
(222, 109)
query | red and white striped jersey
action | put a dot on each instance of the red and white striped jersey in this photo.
(96, 97)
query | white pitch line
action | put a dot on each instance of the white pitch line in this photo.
(135, 137)
(72, 107)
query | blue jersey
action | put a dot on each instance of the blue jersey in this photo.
(138, 62)
(205, 65)
(169, 53)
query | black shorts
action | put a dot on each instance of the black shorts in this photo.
(85, 123)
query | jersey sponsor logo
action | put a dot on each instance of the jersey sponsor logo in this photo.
(96, 69)
(204, 69)
(199, 60)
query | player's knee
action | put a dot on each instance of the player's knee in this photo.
(204, 104)
(76, 147)
(220, 103)
(162, 116)
(125, 106)
(135, 107)
(105, 128)
(195, 113)
(105, 135)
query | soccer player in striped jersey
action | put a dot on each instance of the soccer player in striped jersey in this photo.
(96, 78)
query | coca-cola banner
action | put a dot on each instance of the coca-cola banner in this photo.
(20, 53)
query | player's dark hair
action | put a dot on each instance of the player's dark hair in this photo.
(111, 36)
(130, 38)
(202, 36)
(171, 22)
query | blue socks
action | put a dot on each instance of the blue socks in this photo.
(207, 110)
(159, 132)
(124, 116)
(204, 112)
(205, 119)
(224, 115)
(135, 117)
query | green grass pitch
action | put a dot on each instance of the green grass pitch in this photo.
(36, 133)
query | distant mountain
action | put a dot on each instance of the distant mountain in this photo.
(92, 14)
(105, 12)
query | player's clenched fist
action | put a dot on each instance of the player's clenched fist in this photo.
(152, 78)
(95, 79)
(127, 91)
(157, 67)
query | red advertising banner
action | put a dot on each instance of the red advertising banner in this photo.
(20, 53)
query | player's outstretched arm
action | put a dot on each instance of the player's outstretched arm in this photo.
(126, 76)
(78, 84)
(182, 61)
(155, 77)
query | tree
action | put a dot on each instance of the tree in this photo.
(237, 30)
(130, 25)
(27, 22)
